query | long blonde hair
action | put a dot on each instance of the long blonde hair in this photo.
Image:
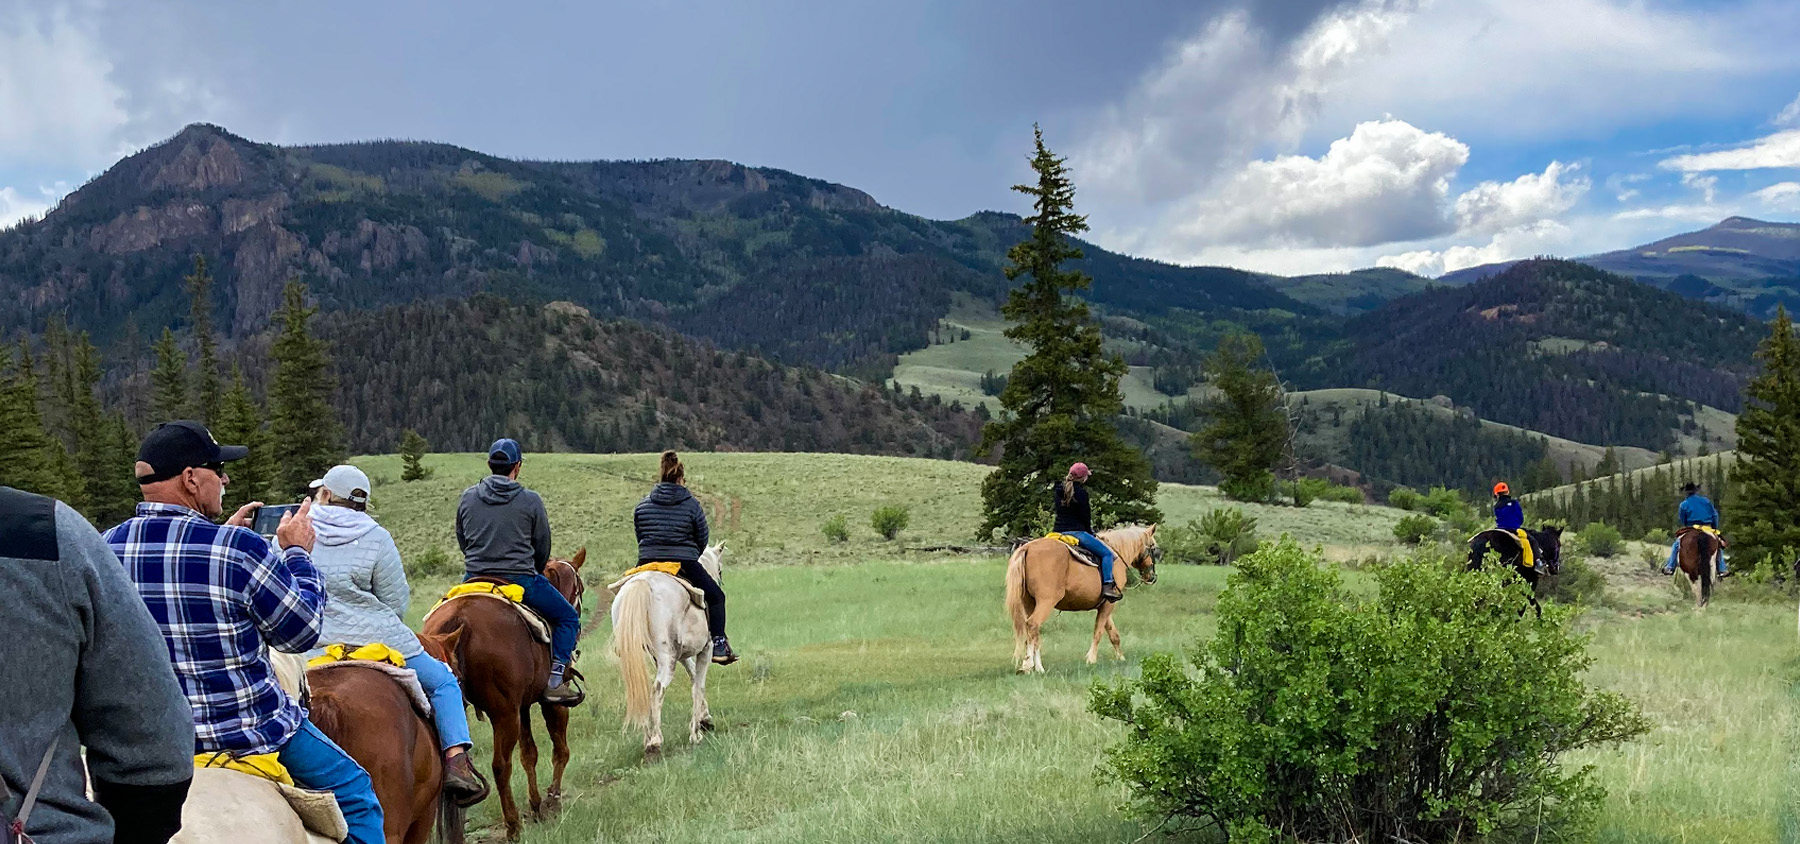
(1066, 490)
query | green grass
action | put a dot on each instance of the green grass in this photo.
(876, 701)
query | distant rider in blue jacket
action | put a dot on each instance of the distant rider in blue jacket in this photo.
(1696, 509)
(1510, 517)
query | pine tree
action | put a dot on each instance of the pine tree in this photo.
(168, 381)
(304, 430)
(29, 457)
(206, 383)
(412, 452)
(1247, 432)
(1767, 477)
(104, 500)
(241, 423)
(1062, 401)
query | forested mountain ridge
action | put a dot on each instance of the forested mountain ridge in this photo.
(753, 258)
(1557, 347)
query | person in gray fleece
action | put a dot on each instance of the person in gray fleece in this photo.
(368, 592)
(86, 667)
(504, 532)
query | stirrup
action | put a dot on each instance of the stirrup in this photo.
(572, 680)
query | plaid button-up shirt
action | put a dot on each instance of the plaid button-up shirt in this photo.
(222, 596)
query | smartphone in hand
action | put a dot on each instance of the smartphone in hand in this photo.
(268, 518)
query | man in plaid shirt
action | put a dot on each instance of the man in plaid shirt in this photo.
(222, 596)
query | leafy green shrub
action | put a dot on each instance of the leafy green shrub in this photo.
(1325, 490)
(1296, 493)
(1436, 711)
(1227, 534)
(1600, 539)
(836, 529)
(1405, 498)
(1413, 529)
(1443, 502)
(1255, 489)
(1574, 583)
(1659, 537)
(1462, 524)
(890, 520)
(432, 563)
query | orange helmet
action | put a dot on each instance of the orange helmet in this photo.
(1502, 489)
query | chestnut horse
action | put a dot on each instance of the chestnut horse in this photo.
(373, 718)
(1695, 555)
(503, 670)
(1043, 576)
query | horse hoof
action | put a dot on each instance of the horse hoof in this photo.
(706, 725)
(653, 753)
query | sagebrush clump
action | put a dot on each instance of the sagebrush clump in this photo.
(890, 520)
(1438, 710)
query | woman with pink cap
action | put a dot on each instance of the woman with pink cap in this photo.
(1075, 518)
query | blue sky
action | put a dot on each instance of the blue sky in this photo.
(1290, 136)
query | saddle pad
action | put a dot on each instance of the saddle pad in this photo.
(318, 811)
(673, 569)
(406, 677)
(540, 629)
(510, 591)
(264, 765)
(1709, 530)
(372, 652)
(694, 594)
(1081, 554)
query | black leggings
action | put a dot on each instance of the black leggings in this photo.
(715, 597)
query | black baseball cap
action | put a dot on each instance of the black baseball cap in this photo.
(174, 447)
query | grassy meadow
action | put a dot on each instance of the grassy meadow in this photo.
(876, 701)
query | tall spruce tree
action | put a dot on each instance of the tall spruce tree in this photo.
(1061, 403)
(305, 433)
(1246, 434)
(1766, 481)
(168, 381)
(105, 500)
(412, 455)
(207, 389)
(30, 459)
(241, 423)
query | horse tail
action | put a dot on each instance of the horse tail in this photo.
(449, 822)
(1015, 600)
(630, 646)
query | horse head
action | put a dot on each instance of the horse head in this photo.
(1137, 547)
(713, 560)
(1550, 537)
(445, 648)
(565, 575)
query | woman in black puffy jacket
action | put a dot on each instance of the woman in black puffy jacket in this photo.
(671, 528)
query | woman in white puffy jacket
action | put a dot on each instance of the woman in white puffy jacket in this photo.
(366, 601)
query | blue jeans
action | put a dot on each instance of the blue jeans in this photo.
(1093, 543)
(564, 618)
(446, 700)
(316, 762)
(1675, 548)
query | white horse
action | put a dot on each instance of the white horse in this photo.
(655, 615)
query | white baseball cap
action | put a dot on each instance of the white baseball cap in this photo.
(346, 482)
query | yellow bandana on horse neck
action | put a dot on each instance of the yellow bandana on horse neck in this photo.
(264, 765)
(1525, 545)
(373, 652)
(673, 569)
(1062, 537)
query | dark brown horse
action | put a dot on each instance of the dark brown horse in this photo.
(1695, 553)
(503, 670)
(1546, 554)
(373, 718)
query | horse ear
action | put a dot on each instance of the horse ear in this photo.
(580, 557)
(452, 639)
(1152, 531)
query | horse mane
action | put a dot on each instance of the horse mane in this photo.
(1127, 541)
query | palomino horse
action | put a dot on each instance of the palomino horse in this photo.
(654, 616)
(503, 671)
(374, 719)
(1043, 576)
(1695, 553)
(1546, 555)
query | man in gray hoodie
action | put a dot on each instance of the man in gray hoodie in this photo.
(504, 532)
(84, 667)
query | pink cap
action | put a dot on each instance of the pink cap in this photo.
(1079, 471)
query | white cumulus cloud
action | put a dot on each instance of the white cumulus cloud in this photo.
(1539, 237)
(1495, 207)
(58, 102)
(1789, 116)
(1387, 181)
(1779, 150)
(1783, 196)
(15, 207)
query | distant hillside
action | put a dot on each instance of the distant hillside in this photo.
(1556, 347)
(1352, 292)
(1751, 265)
(751, 258)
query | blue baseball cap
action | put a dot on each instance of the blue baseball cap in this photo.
(505, 450)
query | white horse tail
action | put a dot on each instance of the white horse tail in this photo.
(630, 646)
(1015, 600)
